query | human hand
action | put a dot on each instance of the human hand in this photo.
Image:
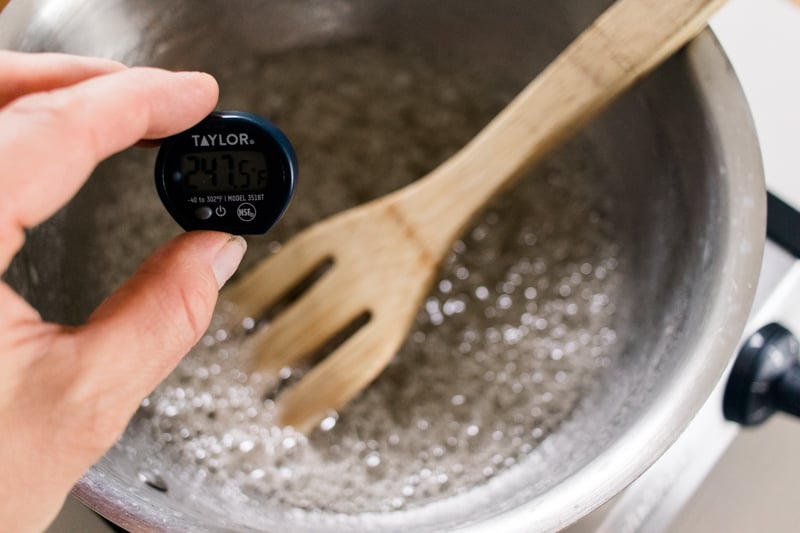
(66, 394)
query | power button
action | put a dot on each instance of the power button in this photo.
(202, 213)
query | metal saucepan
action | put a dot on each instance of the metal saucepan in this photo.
(679, 157)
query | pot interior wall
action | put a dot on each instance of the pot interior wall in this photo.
(655, 148)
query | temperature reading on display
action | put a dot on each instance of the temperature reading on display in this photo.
(224, 171)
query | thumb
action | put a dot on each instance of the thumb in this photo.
(93, 378)
(138, 335)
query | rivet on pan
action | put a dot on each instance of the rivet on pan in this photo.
(154, 480)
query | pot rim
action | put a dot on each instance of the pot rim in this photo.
(744, 212)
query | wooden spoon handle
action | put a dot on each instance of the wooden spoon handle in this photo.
(628, 40)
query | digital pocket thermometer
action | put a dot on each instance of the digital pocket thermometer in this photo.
(232, 172)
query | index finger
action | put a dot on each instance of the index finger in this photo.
(50, 142)
(24, 73)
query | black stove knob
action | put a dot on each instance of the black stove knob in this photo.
(765, 377)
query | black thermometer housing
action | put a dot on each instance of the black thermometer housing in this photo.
(234, 172)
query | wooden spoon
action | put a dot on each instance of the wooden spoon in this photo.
(385, 253)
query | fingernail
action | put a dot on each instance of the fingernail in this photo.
(228, 258)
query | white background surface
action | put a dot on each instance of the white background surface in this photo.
(762, 39)
(754, 487)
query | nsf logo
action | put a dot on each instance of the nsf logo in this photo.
(246, 212)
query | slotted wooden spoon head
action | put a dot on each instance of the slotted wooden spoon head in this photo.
(380, 269)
